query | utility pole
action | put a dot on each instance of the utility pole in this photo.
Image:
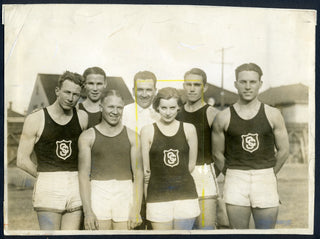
(222, 70)
(222, 77)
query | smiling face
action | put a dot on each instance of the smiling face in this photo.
(168, 109)
(112, 108)
(248, 84)
(94, 86)
(144, 92)
(68, 94)
(193, 85)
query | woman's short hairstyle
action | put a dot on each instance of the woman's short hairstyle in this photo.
(166, 94)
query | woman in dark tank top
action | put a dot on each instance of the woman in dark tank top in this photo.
(169, 150)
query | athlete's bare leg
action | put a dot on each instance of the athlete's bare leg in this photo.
(49, 220)
(162, 225)
(120, 225)
(239, 216)
(207, 218)
(105, 225)
(265, 218)
(71, 220)
(183, 224)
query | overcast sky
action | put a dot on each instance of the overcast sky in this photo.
(168, 40)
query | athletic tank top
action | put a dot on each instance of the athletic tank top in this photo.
(93, 118)
(200, 121)
(249, 143)
(170, 178)
(110, 157)
(57, 147)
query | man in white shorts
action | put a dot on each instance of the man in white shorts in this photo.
(52, 133)
(201, 115)
(245, 137)
(110, 170)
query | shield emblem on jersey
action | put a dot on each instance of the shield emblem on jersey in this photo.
(63, 149)
(171, 157)
(250, 142)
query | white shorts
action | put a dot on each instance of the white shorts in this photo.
(167, 211)
(204, 180)
(254, 188)
(57, 192)
(111, 199)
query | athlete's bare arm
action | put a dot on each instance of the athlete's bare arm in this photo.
(211, 114)
(85, 143)
(147, 133)
(280, 136)
(192, 139)
(83, 119)
(137, 170)
(32, 129)
(220, 125)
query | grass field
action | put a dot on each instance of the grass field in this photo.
(292, 185)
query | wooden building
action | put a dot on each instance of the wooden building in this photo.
(293, 102)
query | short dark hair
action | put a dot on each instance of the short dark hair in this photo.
(111, 93)
(145, 75)
(94, 70)
(166, 94)
(71, 76)
(197, 71)
(249, 67)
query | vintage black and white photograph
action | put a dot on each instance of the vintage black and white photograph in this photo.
(158, 119)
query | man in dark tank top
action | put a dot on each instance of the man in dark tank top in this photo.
(95, 83)
(110, 170)
(245, 137)
(52, 133)
(201, 115)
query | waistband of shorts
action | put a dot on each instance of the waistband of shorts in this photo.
(111, 181)
(58, 173)
(252, 171)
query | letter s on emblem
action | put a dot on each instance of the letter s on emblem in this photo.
(250, 142)
(171, 157)
(63, 149)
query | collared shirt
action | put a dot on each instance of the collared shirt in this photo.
(136, 117)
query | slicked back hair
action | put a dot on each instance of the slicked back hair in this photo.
(94, 70)
(145, 75)
(249, 67)
(199, 72)
(111, 93)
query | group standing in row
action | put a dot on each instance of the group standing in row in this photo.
(154, 159)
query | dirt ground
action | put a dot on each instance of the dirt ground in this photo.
(292, 185)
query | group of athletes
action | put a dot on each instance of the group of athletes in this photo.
(153, 164)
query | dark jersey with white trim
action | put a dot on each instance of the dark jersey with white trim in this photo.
(200, 120)
(249, 144)
(93, 118)
(111, 157)
(170, 178)
(57, 147)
